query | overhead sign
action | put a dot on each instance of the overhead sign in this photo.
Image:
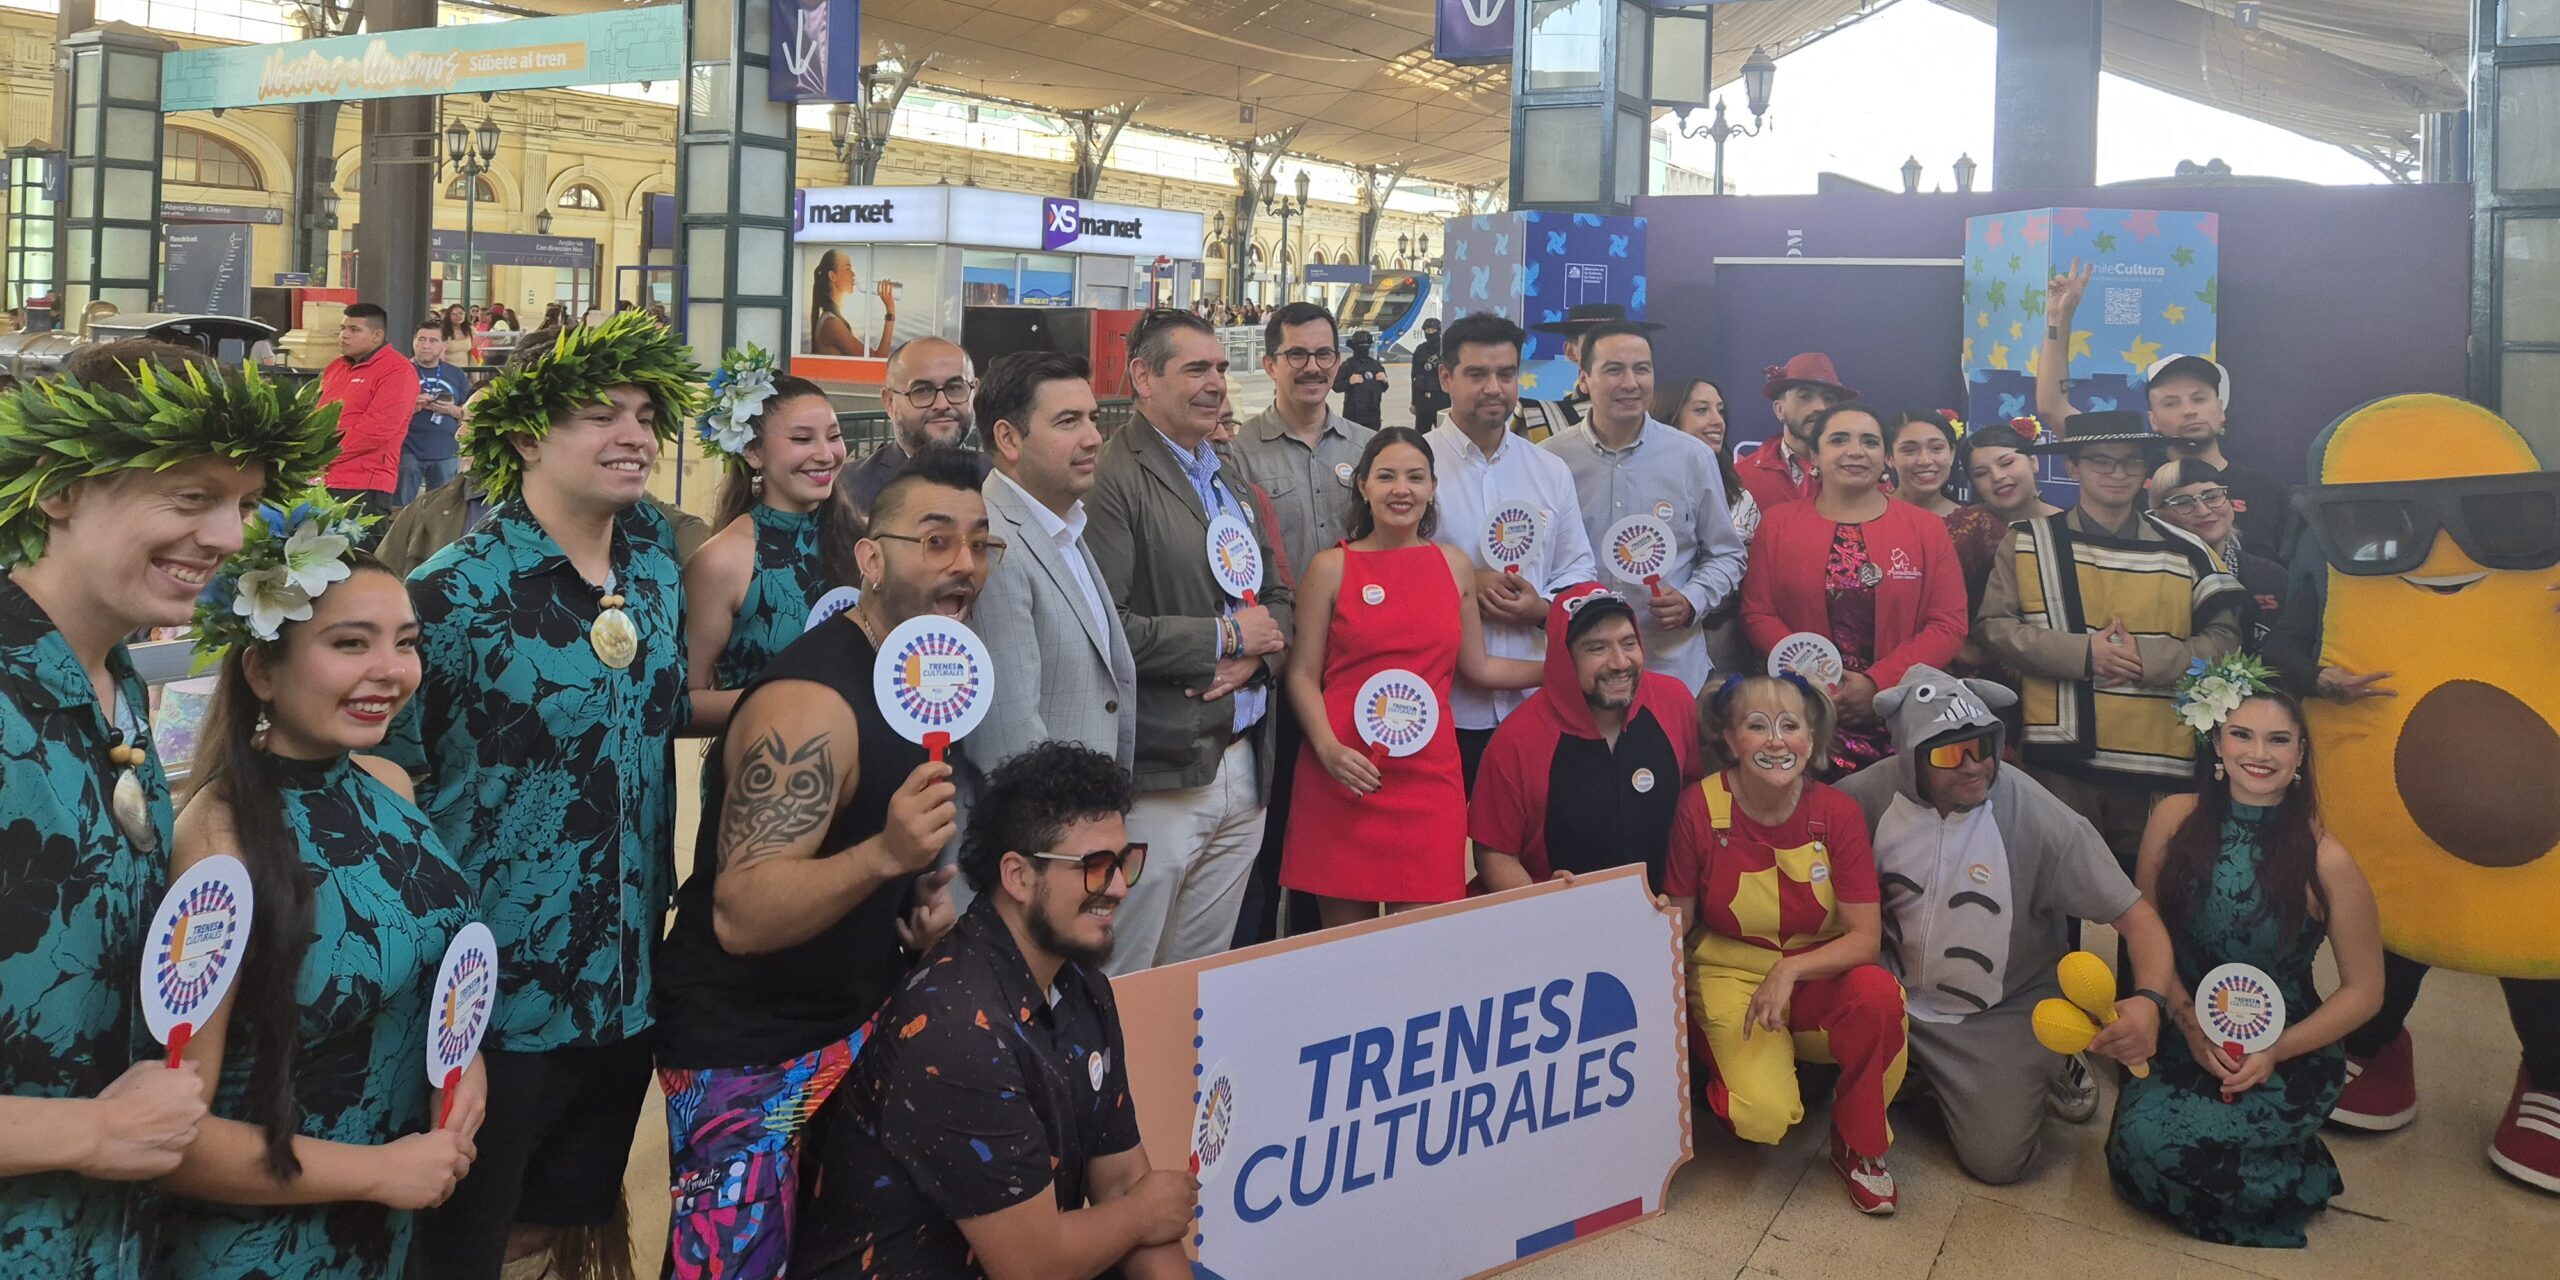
(817, 51)
(992, 219)
(1336, 273)
(509, 249)
(189, 211)
(1472, 31)
(606, 47)
(1523, 1086)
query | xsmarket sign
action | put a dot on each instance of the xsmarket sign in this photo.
(1062, 223)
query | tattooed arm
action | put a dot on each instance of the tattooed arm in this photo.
(791, 763)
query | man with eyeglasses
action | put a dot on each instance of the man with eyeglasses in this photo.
(987, 1130)
(1207, 663)
(1300, 454)
(927, 393)
(2191, 494)
(2100, 610)
(1980, 866)
(815, 888)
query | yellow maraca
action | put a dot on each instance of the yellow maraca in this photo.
(2091, 986)
(2062, 1027)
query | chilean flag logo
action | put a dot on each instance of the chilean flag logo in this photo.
(1061, 221)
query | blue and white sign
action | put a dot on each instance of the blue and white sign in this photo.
(1337, 273)
(1472, 31)
(817, 51)
(992, 219)
(1523, 1084)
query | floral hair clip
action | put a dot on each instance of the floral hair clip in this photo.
(1954, 423)
(290, 555)
(739, 389)
(2027, 427)
(2212, 691)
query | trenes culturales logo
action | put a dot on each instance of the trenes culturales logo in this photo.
(1447, 1085)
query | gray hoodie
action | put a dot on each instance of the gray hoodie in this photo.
(1975, 901)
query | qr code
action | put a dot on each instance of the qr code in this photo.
(2124, 306)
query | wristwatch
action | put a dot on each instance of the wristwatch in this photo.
(2155, 998)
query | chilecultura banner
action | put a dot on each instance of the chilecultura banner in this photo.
(1437, 1095)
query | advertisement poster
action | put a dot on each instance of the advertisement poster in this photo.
(859, 301)
(1521, 1087)
(206, 268)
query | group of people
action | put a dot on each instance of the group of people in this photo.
(881, 1014)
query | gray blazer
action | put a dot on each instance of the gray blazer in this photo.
(1151, 537)
(1057, 676)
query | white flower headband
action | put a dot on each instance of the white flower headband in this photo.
(739, 389)
(290, 556)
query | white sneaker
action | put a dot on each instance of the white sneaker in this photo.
(2073, 1096)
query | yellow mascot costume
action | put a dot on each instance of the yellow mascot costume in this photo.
(2439, 529)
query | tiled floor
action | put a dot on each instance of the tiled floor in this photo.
(2420, 1204)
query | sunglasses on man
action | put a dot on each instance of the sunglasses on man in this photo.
(1956, 755)
(1129, 860)
(2389, 528)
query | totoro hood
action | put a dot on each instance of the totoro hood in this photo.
(1930, 705)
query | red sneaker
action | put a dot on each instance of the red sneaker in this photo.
(1870, 1183)
(2382, 1091)
(2527, 1147)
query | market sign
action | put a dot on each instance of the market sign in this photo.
(981, 218)
(608, 47)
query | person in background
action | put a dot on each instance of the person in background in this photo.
(561, 809)
(1429, 397)
(1362, 382)
(1297, 457)
(830, 331)
(428, 453)
(457, 323)
(117, 536)
(1927, 454)
(1877, 577)
(1697, 406)
(325, 1136)
(2006, 486)
(1980, 867)
(1207, 663)
(2096, 667)
(1542, 420)
(787, 532)
(927, 394)
(995, 1134)
(1781, 469)
(1229, 424)
(2227, 1145)
(1486, 469)
(1625, 463)
(1589, 771)
(1788, 931)
(376, 391)
(2191, 494)
(2188, 397)
(1372, 826)
(821, 887)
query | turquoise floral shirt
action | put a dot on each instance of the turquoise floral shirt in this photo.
(549, 775)
(75, 895)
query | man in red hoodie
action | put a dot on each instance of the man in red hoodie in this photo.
(376, 391)
(1618, 741)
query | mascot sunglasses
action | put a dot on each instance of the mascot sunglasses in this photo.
(2374, 530)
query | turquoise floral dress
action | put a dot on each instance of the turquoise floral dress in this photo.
(74, 897)
(385, 903)
(2253, 1170)
(787, 583)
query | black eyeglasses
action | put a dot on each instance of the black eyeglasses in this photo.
(923, 394)
(2379, 530)
(1299, 357)
(1129, 860)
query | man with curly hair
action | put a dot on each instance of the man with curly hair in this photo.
(123, 486)
(543, 740)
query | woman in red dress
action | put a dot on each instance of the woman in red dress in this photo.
(1366, 826)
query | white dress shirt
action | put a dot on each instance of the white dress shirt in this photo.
(1067, 532)
(1472, 488)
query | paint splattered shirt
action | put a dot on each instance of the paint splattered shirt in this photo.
(75, 895)
(974, 1094)
(549, 775)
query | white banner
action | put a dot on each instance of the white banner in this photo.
(1443, 1095)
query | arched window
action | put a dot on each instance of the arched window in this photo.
(582, 197)
(198, 158)
(1217, 250)
(487, 193)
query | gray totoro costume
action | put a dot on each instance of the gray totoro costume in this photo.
(1976, 905)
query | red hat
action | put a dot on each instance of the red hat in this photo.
(1813, 367)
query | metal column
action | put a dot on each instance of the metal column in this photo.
(398, 143)
(2044, 110)
(735, 154)
(111, 222)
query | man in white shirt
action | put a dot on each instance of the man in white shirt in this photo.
(1625, 463)
(1487, 473)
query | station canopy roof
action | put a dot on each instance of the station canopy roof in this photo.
(1357, 79)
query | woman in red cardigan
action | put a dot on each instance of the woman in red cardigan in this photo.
(1879, 577)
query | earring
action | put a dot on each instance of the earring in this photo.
(258, 731)
(755, 477)
(2217, 771)
(2295, 780)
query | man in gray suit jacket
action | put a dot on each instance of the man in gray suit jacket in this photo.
(1046, 613)
(1208, 666)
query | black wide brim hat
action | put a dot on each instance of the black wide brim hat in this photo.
(2107, 426)
(1589, 316)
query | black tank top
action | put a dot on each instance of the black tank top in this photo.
(721, 1010)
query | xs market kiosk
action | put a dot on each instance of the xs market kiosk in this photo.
(996, 271)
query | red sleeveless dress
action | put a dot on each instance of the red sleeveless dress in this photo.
(1407, 841)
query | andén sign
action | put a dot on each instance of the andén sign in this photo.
(1520, 1085)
